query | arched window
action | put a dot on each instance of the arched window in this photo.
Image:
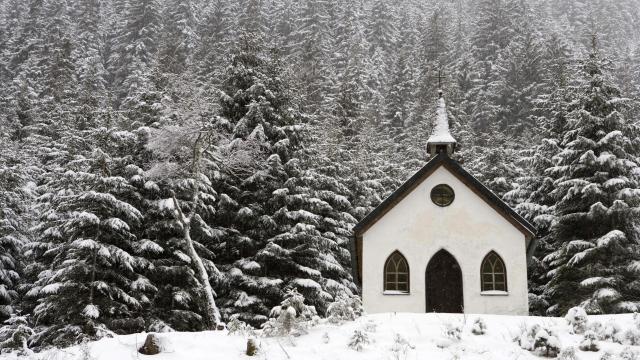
(396, 273)
(493, 273)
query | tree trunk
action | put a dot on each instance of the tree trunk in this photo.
(212, 312)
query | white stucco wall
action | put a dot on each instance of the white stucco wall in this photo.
(469, 229)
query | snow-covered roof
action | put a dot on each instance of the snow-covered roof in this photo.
(440, 133)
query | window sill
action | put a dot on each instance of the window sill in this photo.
(395, 292)
(494, 293)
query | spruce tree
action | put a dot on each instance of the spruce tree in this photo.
(14, 233)
(87, 273)
(597, 202)
(179, 36)
(257, 110)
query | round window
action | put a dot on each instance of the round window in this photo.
(442, 195)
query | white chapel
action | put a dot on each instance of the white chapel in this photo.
(443, 242)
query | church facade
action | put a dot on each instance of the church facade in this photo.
(443, 242)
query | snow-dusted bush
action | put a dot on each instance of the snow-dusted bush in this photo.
(611, 331)
(535, 338)
(607, 355)
(344, 308)
(636, 319)
(596, 327)
(577, 318)
(479, 327)
(291, 317)
(546, 343)
(568, 353)
(631, 337)
(358, 340)
(526, 340)
(159, 326)
(15, 334)
(237, 326)
(453, 331)
(589, 342)
(629, 354)
(400, 347)
(370, 326)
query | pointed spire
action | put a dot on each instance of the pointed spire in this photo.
(441, 139)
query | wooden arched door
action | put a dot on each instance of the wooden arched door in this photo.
(444, 284)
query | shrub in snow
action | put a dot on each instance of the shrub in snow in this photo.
(453, 331)
(589, 342)
(629, 354)
(15, 334)
(537, 339)
(611, 331)
(526, 340)
(370, 326)
(358, 340)
(607, 356)
(568, 353)
(159, 326)
(546, 343)
(577, 318)
(479, 327)
(237, 326)
(596, 327)
(631, 337)
(344, 308)
(291, 317)
(636, 319)
(400, 347)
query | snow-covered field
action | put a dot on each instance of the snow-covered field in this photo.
(421, 336)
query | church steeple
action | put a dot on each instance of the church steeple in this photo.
(441, 140)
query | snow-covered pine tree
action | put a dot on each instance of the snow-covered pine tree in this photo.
(182, 207)
(264, 125)
(532, 197)
(494, 161)
(14, 222)
(400, 85)
(135, 49)
(177, 305)
(381, 27)
(316, 75)
(88, 280)
(179, 39)
(92, 75)
(313, 221)
(216, 32)
(520, 80)
(595, 263)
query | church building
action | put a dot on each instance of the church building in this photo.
(443, 242)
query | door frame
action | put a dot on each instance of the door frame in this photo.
(426, 278)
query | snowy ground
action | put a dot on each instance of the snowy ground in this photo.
(423, 332)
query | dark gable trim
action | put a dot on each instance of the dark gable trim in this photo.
(476, 186)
